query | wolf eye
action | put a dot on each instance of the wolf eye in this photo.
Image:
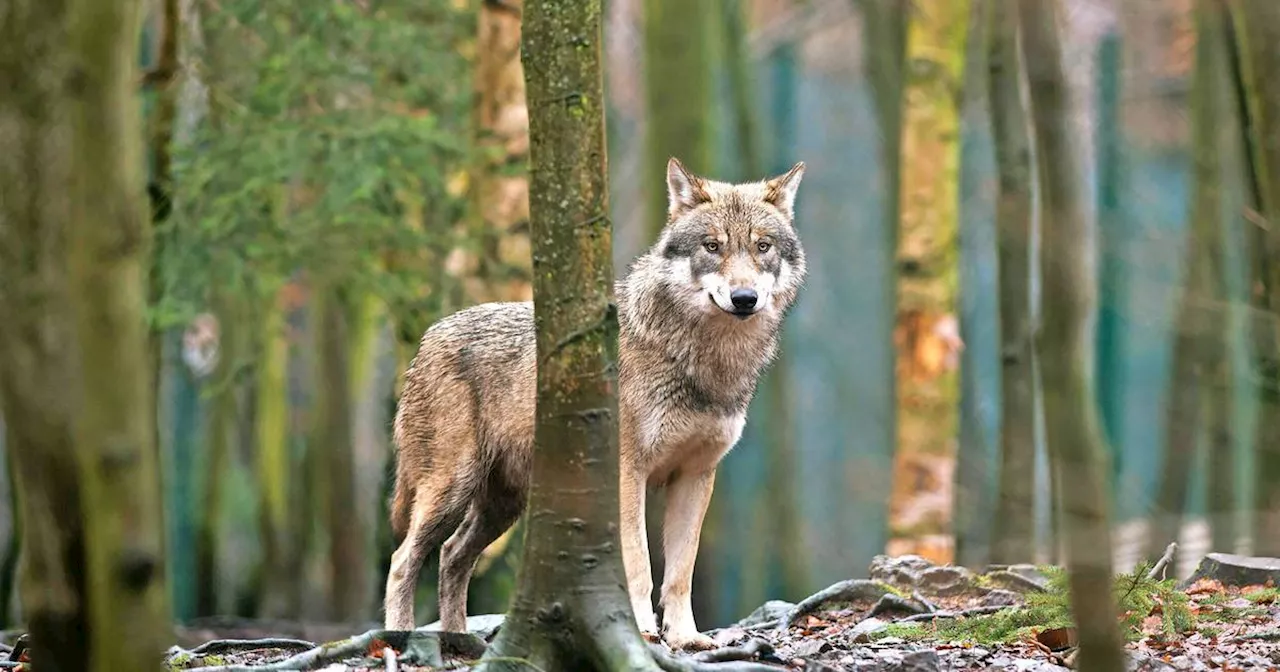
(711, 245)
(763, 246)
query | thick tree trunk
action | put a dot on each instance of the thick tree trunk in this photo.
(1065, 343)
(36, 334)
(1014, 536)
(1257, 43)
(926, 330)
(678, 85)
(115, 424)
(571, 611)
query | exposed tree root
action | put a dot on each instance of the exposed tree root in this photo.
(891, 602)
(670, 663)
(976, 611)
(843, 591)
(418, 647)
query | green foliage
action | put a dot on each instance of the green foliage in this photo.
(329, 131)
(1136, 596)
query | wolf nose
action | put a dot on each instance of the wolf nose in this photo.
(743, 299)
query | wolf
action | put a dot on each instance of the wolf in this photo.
(699, 319)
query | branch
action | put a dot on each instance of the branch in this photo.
(417, 647)
(670, 663)
(753, 649)
(1163, 562)
(964, 613)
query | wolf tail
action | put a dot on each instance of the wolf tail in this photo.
(401, 506)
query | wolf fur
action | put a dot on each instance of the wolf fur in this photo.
(692, 347)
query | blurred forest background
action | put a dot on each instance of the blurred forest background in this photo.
(328, 177)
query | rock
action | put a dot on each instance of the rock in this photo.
(815, 666)
(1001, 598)
(1237, 570)
(484, 626)
(903, 570)
(945, 580)
(1029, 665)
(769, 611)
(919, 661)
(810, 647)
(861, 633)
(1017, 582)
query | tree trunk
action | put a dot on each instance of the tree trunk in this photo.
(115, 428)
(926, 329)
(1257, 42)
(273, 466)
(220, 430)
(1065, 344)
(1014, 536)
(1200, 332)
(334, 451)
(36, 334)
(1217, 135)
(678, 85)
(571, 611)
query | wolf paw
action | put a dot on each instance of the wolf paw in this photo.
(690, 641)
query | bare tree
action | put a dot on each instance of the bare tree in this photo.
(1064, 344)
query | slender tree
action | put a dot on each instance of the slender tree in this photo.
(1200, 363)
(1256, 33)
(571, 610)
(677, 70)
(926, 238)
(1014, 534)
(1064, 348)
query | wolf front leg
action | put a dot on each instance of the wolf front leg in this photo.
(687, 498)
(635, 546)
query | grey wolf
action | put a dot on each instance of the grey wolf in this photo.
(699, 317)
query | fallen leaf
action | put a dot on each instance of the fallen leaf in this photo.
(1205, 586)
(1152, 625)
(1057, 639)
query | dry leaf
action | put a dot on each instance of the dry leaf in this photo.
(1057, 639)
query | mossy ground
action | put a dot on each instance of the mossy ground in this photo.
(1137, 597)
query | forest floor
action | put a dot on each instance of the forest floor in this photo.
(909, 616)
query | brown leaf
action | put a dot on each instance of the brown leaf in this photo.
(1057, 639)
(1152, 625)
(1205, 586)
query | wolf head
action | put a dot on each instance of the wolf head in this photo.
(731, 250)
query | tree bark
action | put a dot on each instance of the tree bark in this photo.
(115, 425)
(1257, 43)
(926, 329)
(1065, 344)
(273, 465)
(36, 334)
(334, 451)
(571, 610)
(1014, 534)
(1200, 363)
(678, 85)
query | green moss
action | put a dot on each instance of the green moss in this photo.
(911, 632)
(179, 661)
(1136, 596)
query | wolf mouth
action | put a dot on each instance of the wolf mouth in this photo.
(740, 314)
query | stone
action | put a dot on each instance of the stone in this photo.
(919, 661)
(769, 611)
(861, 633)
(903, 570)
(484, 626)
(945, 580)
(1237, 570)
(811, 647)
(1001, 598)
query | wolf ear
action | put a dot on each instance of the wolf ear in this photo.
(781, 191)
(685, 191)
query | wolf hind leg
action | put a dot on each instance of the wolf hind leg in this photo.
(491, 513)
(438, 508)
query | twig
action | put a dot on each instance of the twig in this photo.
(858, 589)
(1163, 562)
(389, 659)
(355, 646)
(752, 649)
(976, 611)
